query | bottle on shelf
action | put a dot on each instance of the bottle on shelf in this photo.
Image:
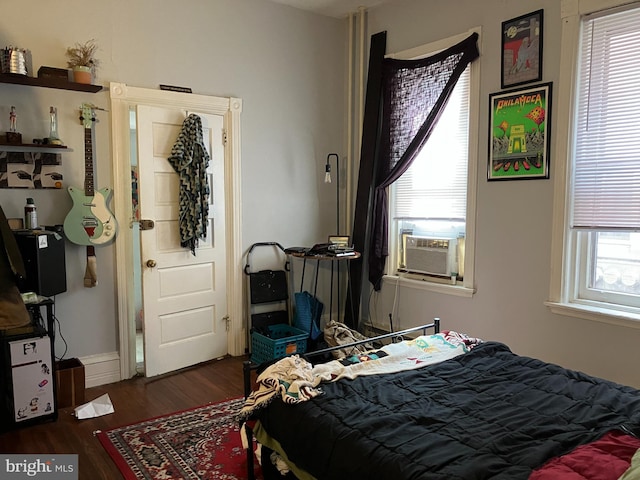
(53, 139)
(30, 215)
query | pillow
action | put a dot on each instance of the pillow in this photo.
(633, 472)
(336, 333)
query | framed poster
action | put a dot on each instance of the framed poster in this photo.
(522, 50)
(30, 170)
(519, 129)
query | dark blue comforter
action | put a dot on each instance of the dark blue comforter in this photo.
(488, 414)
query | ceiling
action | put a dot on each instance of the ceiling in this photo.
(333, 8)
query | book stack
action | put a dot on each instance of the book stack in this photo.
(342, 251)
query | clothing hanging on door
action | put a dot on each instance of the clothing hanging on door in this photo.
(190, 159)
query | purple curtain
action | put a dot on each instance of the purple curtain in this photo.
(415, 93)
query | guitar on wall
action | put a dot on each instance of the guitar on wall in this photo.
(90, 222)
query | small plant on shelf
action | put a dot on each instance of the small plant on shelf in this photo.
(81, 57)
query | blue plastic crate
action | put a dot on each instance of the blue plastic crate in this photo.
(285, 340)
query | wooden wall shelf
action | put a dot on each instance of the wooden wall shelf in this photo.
(33, 147)
(48, 82)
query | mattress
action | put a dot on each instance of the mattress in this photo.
(485, 414)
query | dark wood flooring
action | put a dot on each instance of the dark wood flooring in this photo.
(133, 400)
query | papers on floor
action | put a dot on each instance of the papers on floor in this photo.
(95, 408)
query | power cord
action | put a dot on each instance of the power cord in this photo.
(395, 303)
(59, 334)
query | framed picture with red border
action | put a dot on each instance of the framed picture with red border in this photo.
(522, 49)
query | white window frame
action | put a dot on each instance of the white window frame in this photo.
(565, 280)
(466, 287)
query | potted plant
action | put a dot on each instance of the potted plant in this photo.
(81, 59)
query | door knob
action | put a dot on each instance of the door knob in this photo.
(151, 263)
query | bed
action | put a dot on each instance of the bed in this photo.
(476, 411)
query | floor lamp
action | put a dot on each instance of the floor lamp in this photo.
(327, 179)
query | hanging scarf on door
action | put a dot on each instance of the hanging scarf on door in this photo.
(190, 159)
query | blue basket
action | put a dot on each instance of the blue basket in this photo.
(285, 340)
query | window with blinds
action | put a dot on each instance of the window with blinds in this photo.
(604, 216)
(430, 199)
(435, 185)
(606, 186)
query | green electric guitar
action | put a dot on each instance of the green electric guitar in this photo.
(90, 222)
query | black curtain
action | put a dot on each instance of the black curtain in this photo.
(415, 93)
(369, 153)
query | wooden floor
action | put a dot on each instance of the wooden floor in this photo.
(133, 400)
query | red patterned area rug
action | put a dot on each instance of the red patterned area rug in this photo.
(202, 443)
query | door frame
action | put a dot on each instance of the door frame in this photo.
(123, 98)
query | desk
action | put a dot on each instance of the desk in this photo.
(323, 258)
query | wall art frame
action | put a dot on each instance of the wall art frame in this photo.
(30, 170)
(519, 133)
(521, 60)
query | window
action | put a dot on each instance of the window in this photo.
(601, 218)
(435, 197)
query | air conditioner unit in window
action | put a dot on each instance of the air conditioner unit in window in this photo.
(434, 256)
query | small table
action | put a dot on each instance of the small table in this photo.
(321, 258)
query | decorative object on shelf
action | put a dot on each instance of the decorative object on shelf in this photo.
(15, 60)
(522, 50)
(81, 59)
(53, 73)
(53, 138)
(82, 75)
(519, 129)
(13, 119)
(13, 136)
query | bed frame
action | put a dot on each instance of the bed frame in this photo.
(248, 367)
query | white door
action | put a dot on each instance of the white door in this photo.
(184, 296)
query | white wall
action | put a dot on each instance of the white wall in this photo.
(288, 67)
(513, 218)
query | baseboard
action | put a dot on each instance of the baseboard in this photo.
(101, 369)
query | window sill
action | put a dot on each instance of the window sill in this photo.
(596, 314)
(427, 284)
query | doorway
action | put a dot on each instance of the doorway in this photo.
(134, 273)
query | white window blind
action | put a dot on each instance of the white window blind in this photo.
(435, 185)
(606, 188)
